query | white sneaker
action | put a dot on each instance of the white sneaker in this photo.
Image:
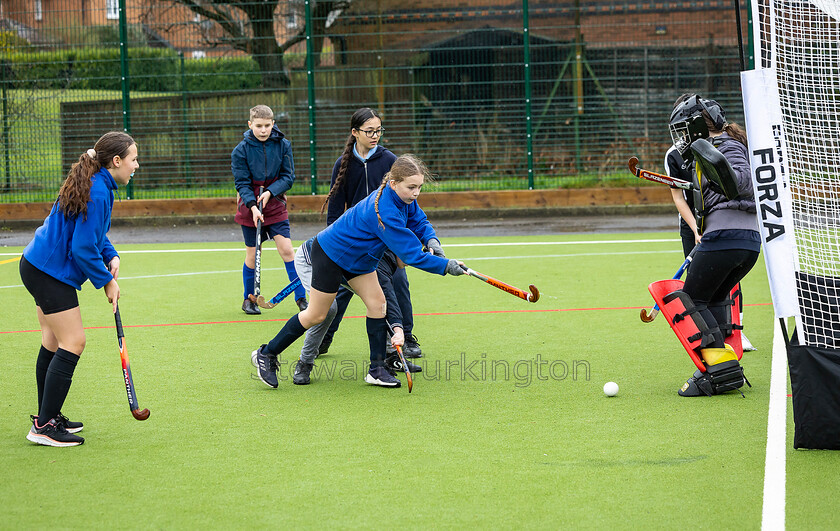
(746, 345)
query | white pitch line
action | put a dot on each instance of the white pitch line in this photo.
(519, 257)
(773, 510)
(499, 244)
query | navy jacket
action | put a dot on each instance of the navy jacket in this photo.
(267, 164)
(360, 179)
(76, 249)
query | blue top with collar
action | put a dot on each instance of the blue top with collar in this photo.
(76, 249)
(356, 241)
(361, 177)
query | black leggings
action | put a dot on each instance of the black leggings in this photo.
(711, 277)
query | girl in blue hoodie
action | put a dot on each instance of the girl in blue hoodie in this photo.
(70, 247)
(350, 249)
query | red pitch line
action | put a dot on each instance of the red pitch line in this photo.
(435, 314)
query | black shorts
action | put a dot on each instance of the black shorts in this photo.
(51, 295)
(326, 274)
(281, 228)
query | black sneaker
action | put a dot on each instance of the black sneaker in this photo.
(52, 434)
(324, 347)
(250, 308)
(380, 376)
(411, 348)
(302, 370)
(301, 303)
(70, 426)
(266, 367)
(394, 364)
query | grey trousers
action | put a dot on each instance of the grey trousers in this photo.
(314, 335)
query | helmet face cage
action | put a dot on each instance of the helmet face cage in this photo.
(687, 123)
(685, 132)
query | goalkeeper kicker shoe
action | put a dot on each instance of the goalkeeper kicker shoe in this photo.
(266, 366)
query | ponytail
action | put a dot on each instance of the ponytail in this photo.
(75, 191)
(736, 131)
(342, 170)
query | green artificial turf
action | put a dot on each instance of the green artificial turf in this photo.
(507, 427)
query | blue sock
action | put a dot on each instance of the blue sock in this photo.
(247, 280)
(300, 293)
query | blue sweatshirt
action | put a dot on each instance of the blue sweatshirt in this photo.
(77, 249)
(356, 241)
(360, 179)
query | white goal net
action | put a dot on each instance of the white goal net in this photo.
(792, 102)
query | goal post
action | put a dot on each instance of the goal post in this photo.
(792, 115)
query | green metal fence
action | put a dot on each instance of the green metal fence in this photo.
(491, 94)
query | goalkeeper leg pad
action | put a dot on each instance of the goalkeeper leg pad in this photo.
(728, 316)
(723, 373)
(684, 318)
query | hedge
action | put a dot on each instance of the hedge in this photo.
(150, 69)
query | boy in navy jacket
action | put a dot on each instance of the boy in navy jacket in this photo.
(264, 159)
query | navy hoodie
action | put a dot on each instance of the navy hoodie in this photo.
(267, 164)
(360, 179)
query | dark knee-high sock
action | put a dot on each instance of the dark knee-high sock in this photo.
(377, 330)
(248, 280)
(45, 356)
(286, 336)
(300, 293)
(57, 384)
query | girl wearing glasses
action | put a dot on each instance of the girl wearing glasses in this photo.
(358, 172)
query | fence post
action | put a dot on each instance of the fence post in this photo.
(310, 87)
(7, 166)
(527, 51)
(129, 189)
(185, 122)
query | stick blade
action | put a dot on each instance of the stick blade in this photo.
(141, 414)
(535, 294)
(648, 317)
(262, 303)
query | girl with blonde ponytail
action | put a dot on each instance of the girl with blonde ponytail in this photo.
(71, 247)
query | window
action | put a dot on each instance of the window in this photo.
(39, 14)
(112, 9)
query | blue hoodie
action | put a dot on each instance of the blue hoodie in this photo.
(77, 249)
(356, 241)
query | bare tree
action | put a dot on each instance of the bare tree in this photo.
(249, 26)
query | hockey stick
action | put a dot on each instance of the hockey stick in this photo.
(405, 368)
(402, 360)
(282, 294)
(534, 296)
(649, 317)
(258, 254)
(657, 177)
(129, 381)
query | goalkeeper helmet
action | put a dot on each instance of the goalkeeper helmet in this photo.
(689, 121)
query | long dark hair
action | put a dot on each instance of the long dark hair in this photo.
(75, 191)
(356, 121)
